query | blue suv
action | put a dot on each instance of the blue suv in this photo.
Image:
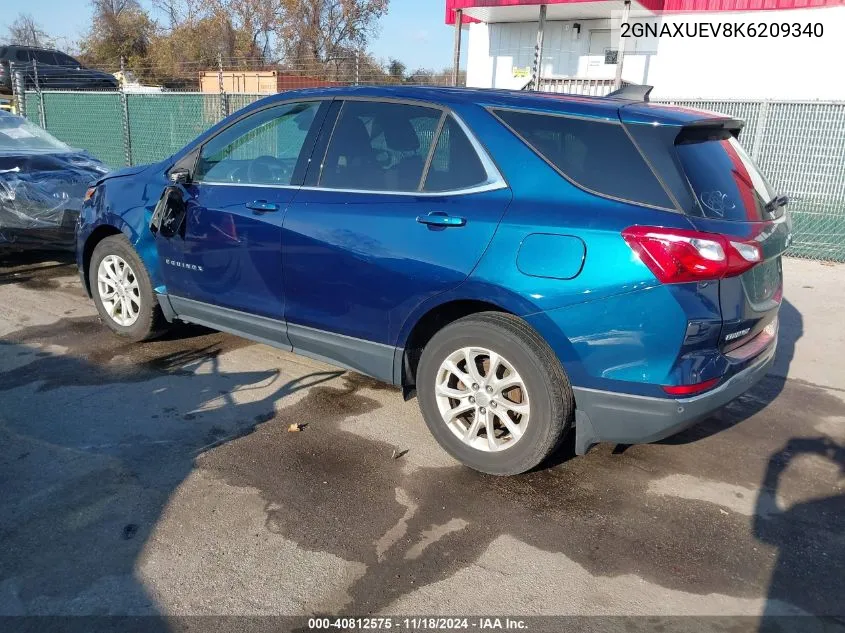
(522, 262)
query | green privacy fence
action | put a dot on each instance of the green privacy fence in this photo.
(132, 128)
(159, 124)
(800, 146)
(93, 121)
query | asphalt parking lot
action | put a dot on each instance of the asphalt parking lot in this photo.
(162, 478)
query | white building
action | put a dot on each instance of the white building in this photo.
(684, 48)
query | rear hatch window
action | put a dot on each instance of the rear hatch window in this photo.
(726, 182)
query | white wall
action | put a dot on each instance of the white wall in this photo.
(755, 68)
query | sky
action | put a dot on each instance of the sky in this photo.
(413, 30)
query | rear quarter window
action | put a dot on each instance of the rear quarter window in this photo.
(595, 155)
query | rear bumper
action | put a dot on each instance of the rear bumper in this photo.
(605, 416)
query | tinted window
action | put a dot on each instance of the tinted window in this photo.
(455, 164)
(22, 55)
(66, 60)
(598, 156)
(260, 149)
(379, 146)
(725, 180)
(44, 57)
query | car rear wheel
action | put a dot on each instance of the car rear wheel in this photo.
(122, 290)
(493, 393)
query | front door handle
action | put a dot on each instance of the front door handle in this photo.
(438, 218)
(262, 206)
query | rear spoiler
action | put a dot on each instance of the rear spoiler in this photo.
(634, 92)
(704, 128)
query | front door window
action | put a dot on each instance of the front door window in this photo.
(262, 149)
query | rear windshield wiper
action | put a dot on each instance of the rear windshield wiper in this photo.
(776, 203)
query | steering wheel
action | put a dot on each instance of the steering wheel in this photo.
(268, 169)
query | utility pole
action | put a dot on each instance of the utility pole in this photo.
(538, 50)
(620, 53)
(456, 60)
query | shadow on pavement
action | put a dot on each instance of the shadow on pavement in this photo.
(97, 440)
(93, 447)
(808, 537)
(35, 269)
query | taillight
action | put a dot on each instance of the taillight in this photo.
(680, 255)
(689, 390)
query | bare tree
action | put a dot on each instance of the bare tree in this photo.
(326, 30)
(259, 20)
(27, 32)
(182, 12)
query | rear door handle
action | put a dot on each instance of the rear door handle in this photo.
(262, 206)
(438, 218)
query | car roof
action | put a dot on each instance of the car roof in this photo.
(576, 105)
(27, 47)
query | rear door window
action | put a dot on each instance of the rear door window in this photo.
(595, 155)
(726, 182)
(455, 164)
(379, 146)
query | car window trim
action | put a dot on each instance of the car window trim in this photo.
(185, 152)
(312, 137)
(329, 138)
(409, 194)
(199, 148)
(435, 141)
(495, 179)
(492, 110)
(487, 161)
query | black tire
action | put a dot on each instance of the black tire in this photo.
(550, 393)
(151, 322)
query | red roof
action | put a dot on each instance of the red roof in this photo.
(658, 6)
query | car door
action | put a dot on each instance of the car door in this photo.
(400, 209)
(225, 260)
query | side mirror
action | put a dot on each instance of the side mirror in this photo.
(169, 214)
(180, 176)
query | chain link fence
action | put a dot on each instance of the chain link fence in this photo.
(800, 146)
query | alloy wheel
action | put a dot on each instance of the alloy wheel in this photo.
(119, 291)
(482, 399)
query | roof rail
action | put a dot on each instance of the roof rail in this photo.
(635, 92)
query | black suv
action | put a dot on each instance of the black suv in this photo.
(56, 70)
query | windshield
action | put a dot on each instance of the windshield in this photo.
(725, 180)
(17, 135)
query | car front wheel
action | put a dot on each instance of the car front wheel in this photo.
(494, 394)
(122, 290)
